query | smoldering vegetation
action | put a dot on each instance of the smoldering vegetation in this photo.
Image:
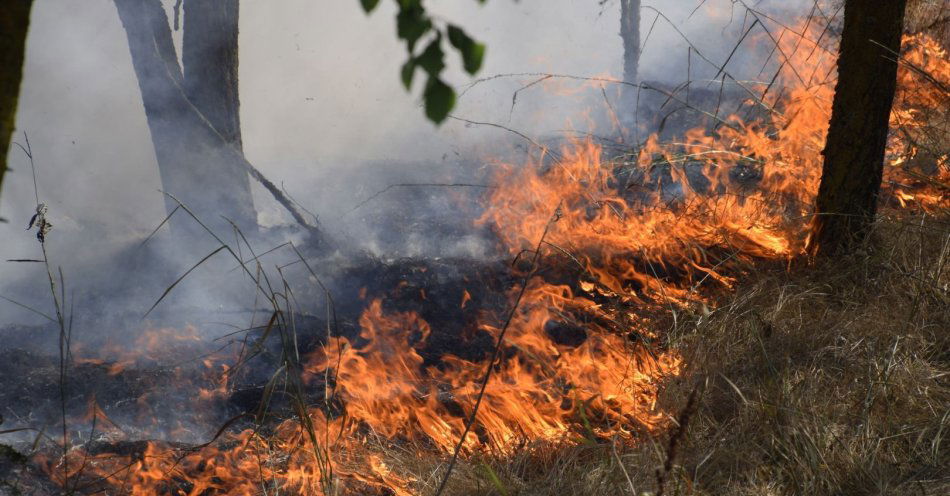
(823, 381)
(181, 351)
(395, 188)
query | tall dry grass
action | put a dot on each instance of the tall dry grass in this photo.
(824, 379)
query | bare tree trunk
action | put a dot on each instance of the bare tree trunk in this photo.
(210, 63)
(196, 162)
(857, 134)
(630, 34)
(14, 24)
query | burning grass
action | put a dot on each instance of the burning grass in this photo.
(825, 379)
(830, 379)
(638, 281)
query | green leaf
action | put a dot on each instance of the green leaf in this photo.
(432, 58)
(457, 37)
(408, 70)
(412, 24)
(472, 52)
(472, 58)
(439, 99)
(369, 5)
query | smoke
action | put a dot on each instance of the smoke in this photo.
(324, 114)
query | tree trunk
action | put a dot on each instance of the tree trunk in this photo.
(210, 63)
(857, 134)
(196, 161)
(630, 34)
(14, 23)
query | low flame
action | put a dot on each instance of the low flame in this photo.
(668, 226)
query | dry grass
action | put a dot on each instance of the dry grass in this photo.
(832, 378)
(823, 379)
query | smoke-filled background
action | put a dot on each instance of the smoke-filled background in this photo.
(323, 113)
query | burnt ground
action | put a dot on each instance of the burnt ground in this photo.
(432, 287)
(19, 477)
(145, 398)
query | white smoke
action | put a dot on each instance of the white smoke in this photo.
(322, 110)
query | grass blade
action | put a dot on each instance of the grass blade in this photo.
(168, 289)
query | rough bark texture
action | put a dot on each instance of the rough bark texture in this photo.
(196, 162)
(210, 63)
(630, 34)
(14, 24)
(857, 134)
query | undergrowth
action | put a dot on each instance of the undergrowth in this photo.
(831, 377)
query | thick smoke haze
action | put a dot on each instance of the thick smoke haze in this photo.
(322, 112)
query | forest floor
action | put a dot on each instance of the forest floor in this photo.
(825, 377)
(830, 378)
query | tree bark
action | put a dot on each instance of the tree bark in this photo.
(196, 161)
(630, 34)
(210, 63)
(857, 134)
(14, 24)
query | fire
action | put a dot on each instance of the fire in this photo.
(920, 123)
(668, 226)
(602, 386)
(630, 234)
(385, 387)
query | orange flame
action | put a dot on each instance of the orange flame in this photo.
(642, 245)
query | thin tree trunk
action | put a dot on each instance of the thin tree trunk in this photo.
(196, 163)
(630, 34)
(210, 63)
(857, 134)
(14, 24)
